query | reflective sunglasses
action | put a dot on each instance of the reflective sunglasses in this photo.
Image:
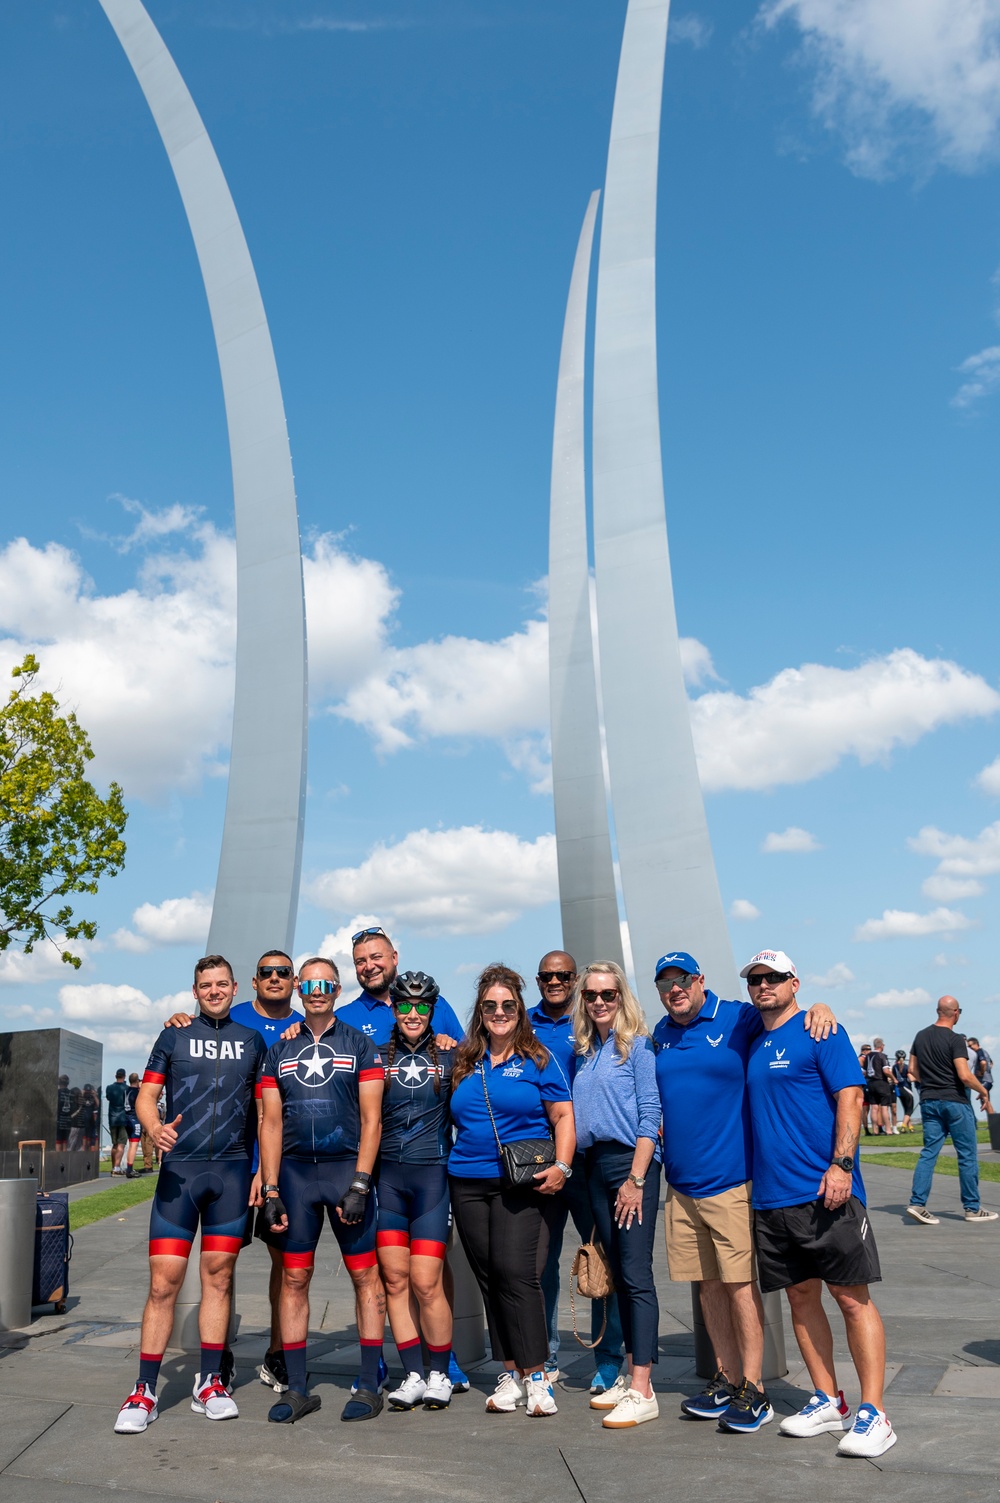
(370, 933)
(509, 1009)
(564, 976)
(591, 996)
(773, 978)
(284, 971)
(683, 982)
(423, 1008)
(317, 988)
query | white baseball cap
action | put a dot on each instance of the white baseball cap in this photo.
(777, 960)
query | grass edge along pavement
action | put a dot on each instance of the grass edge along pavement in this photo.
(944, 1164)
(109, 1202)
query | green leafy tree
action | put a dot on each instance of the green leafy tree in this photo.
(57, 835)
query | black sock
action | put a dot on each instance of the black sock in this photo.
(411, 1356)
(149, 1369)
(295, 1365)
(211, 1358)
(371, 1351)
(439, 1358)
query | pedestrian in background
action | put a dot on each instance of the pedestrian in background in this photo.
(116, 1095)
(939, 1067)
(901, 1073)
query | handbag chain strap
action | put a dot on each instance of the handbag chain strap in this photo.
(482, 1071)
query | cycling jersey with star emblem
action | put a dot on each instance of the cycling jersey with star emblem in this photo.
(210, 1071)
(318, 1082)
(416, 1121)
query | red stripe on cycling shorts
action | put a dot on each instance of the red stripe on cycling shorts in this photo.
(169, 1247)
(298, 1260)
(355, 1262)
(220, 1244)
(392, 1239)
(422, 1247)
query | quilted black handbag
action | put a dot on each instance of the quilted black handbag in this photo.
(525, 1157)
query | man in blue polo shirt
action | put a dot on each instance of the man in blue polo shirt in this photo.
(550, 1019)
(702, 1045)
(376, 965)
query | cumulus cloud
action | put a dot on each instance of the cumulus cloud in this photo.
(896, 923)
(122, 1018)
(44, 962)
(982, 373)
(461, 881)
(337, 946)
(957, 855)
(837, 975)
(175, 921)
(951, 889)
(902, 81)
(988, 781)
(694, 30)
(793, 839)
(743, 910)
(916, 996)
(806, 720)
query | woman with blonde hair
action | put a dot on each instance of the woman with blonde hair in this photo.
(617, 1108)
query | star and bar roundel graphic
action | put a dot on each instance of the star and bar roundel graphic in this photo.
(315, 1064)
(413, 1072)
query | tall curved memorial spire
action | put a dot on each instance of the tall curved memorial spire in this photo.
(668, 878)
(256, 895)
(587, 900)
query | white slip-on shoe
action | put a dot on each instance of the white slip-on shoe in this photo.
(818, 1416)
(610, 1397)
(138, 1411)
(508, 1393)
(438, 1391)
(539, 1398)
(870, 1436)
(632, 1409)
(213, 1399)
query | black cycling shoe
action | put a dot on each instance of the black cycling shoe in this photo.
(293, 1406)
(363, 1405)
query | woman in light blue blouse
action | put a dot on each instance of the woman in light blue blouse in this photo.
(617, 1109)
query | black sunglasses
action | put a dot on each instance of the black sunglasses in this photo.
(509, 1009)
(564, 976)
(284, 971)
(605, 996)
(423, 1008)
(771, 977)
(369, 933)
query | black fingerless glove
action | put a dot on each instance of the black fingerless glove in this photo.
(273, 1211)
(352, 1203)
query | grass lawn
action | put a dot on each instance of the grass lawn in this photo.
(110, 1202)
(916, 1139)
(944, 1165)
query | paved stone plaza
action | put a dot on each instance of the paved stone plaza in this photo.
(62, 1382)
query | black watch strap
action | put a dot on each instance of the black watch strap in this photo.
(847, 1164)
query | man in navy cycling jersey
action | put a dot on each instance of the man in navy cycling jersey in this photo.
(702, 1045)
(210, 1072)
(320, 1133)
(550, 1018)
(376, 965)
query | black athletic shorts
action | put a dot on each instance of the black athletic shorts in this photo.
(880, 1093)
(795, 1243)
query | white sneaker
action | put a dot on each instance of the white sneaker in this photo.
(872, 1434)
(410, 1392)
(439, 1390)
(539, 1399)
(610, 1397)
(981, 1215)
(631, 1409)
(138, 1411)
(213, 1399)
(923, 1215)
(508, 1393)
(820, 1414)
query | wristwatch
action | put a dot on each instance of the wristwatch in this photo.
(266, 1189)
(847, 1164)
(638, 1180)
(567, 1171)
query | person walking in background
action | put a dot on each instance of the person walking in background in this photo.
(134, 1126)
(939, 1067)
(551, 1019)
(866, 1104)
(880, 1087)
(980, 1063)
(507, 1089)
(116, 1097)
(617, 1108)
(901, 1074)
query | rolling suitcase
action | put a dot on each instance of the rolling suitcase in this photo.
(53, 1250)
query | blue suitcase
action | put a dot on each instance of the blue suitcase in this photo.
(53, 1250)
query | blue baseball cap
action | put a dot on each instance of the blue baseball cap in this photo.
(678, 960)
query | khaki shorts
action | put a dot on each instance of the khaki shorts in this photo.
(119, 1134)
(710, 1238)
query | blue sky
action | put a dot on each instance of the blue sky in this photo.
(411, 179)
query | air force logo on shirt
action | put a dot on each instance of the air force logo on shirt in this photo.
(316, 1064)
(514, 1070)
(779, 1062)
(212, 1049)
(715, 1042)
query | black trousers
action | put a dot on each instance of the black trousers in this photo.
(505, 1233)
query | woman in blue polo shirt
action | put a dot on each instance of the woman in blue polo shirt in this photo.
(506, 1088)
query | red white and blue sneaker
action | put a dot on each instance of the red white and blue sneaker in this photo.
(713, 1401)
(749, 1410)
(138, 1411)
(818, 1416)
(213, 1399)
(871, 1435)
(383, 1377)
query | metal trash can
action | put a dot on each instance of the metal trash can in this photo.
(17, 1251)
(775, 1365)
(993, 1123)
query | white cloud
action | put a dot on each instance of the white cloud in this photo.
(792, 839)
(943, 962)
(988, 781)
(692, 29)
(895, 923)
(903, 80)
(696, 662)
(337, 946)
(837, 975)
(983, 373)
(122, 1018)
(43, 964)
(951, 889)
(743, 910)
(916, 996)
(957, 855)
(175, 921)
(461, 881)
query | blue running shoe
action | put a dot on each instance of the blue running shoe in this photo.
(459, 1382)
(748, 1411)
(605, 1377)
(383, 1377)
(713, 1401)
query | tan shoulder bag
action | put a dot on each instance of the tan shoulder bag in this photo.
(591, 1278)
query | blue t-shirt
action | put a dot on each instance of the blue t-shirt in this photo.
(518, 1092)
(792, 1081)
(270, 1032)
(701, 1074)
(557, 1036)
(375, 1019)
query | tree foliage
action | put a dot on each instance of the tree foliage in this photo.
(57, 835)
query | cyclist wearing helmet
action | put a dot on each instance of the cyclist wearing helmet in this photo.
(414, 1212)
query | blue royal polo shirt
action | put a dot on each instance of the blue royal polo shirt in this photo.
(518, 1092)
(269, 1030)
(701, 1074)
(374, 1018)
(557, 1036)
(792, 1081)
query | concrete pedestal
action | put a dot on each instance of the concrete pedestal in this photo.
(469, 1339)
(17, 1251)
(184, 1336)
(775, 1365)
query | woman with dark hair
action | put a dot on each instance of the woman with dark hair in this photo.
(414, 1215)
(507, 1090)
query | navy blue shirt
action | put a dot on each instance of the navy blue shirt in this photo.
(375, 1019)
(416, 1120)
(518, 1091)
(557, 1036)
(701, 1074)
(210, 1073)
(792, 1081)
(318, 1082)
